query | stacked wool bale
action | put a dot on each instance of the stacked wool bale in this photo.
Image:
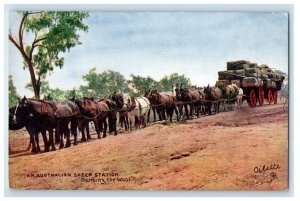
(251, 73)
(237, 70)
(267, 75)
(242, 68)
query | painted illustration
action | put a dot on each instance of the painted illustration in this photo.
(148, 100)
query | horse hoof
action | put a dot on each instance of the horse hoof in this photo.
(46, 150)
(33, 150)
(53, 148)
(61, 146)
(68, 145)
(104, 136)
(75, 143)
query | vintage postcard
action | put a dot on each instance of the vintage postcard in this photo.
(148, 100)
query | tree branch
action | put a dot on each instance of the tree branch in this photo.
(10, 37)
(21, 29)
(34, 44)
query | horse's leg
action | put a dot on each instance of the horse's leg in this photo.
(82, 127)
(57, 136)
(46, 143)
(186, 111)
(122, 119)
(197, 107)
(191, 110)
(136, 122)
(51, 143)
(171, 110)
(104, 128)
(154, 114)
(87, 129)
(148, 116)
(97, 127)
(67, 132)
(115, 123)
(33, 147)
(37, 141)
(74, 124)
(126, 121)
(176, 112)
(180, 111)
(60, 130)
(166, 113)
(144, 119)
(32, 141)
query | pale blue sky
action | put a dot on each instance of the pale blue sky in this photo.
(197, 44)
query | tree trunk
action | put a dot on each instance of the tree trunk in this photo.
(35, 85)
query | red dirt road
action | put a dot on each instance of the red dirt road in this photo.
(217, 152)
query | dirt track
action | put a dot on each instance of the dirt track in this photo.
(217, 152)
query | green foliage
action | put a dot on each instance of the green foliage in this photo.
(143, 84)
(54, 33)
(13, 96)
(55, 94)
(57, 32)
(167, 82)
(103, 84)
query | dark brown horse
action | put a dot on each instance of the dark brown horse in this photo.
(193, 98)
(116, 104)
(31, 129)
(45, 116)
(95, 111)
(148, 95)
(163, 102)
(213, 96)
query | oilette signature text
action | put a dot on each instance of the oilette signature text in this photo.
(265, 168)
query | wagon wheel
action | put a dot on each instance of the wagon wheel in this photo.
(270, 96)
(252, 99)
(261, 94)
(275, 94)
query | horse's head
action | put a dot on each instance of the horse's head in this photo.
(80, 103)
(207, 92)
(118, 98)
(22, 112)
(183, 92)
(177, 92)
(127, 101)
(154, 97)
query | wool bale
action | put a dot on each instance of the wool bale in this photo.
(253, 65)
(250, 82)
(251, 75)
(237, 65)
(240, 72)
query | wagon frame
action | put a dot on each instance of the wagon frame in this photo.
(259, 91)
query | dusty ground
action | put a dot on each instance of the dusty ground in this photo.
(217, 152)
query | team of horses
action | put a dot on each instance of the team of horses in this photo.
(61, 119)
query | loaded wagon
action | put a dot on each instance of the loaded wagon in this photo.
(258, 82)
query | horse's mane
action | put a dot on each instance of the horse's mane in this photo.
(51, 103)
